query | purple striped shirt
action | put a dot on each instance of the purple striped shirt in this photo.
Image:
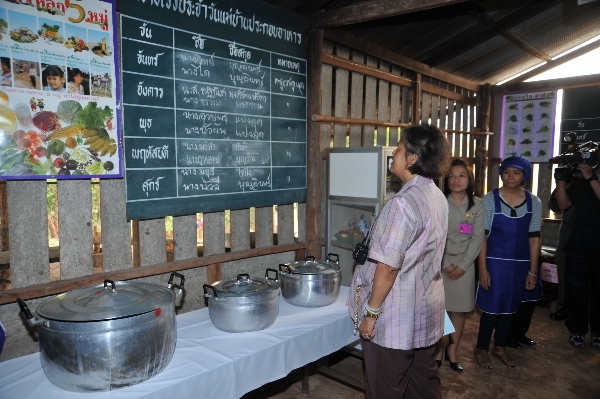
(410, 234)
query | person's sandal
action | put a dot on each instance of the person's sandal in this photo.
(483, 358)
(502, 355)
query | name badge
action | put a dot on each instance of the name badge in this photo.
(465, 228)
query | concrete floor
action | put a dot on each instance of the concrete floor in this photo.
(551, 369)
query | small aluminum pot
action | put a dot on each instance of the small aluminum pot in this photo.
(107, 337)
(243, 304)
(311, 283)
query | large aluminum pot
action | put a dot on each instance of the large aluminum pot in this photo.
(107, 336)
(243, 304)
(311, 283)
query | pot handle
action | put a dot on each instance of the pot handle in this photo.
(272, 270)
(242, 275)
(170, 283)
(207, 287)
(330, 258)
(310, 258)
(112, 283)
(30, 318)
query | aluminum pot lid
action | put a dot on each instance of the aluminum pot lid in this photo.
(312, 266)
(102, 302)
(244, 285)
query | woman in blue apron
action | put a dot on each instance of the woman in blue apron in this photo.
(508, 261)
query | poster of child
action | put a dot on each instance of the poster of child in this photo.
(6, 77)
(53, 78)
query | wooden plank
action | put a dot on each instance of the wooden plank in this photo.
(545, 187)
(359, 43)
(116, 230)
(435, 110)
(394, 107)
(135, 243)
(356, 101)
(449, 94)
(240, 229)
(367, 11)
(75, 228)
(370, 103)
(40, 290)
(153, 242)
(443, 112)
(458, 114)
(214, 233)
(553, 84)
(185, 243)
(323, 92)
(406, 98)
(214, 273)
(425, 107)
(416, 99)
(302, 222)
(350, 121)
(28, 239)
(341, 99)
(382, 106)
(359, 67)
(285, 224)
(264, 226)
(315, 143)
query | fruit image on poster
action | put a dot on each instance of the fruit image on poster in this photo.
(59, 99)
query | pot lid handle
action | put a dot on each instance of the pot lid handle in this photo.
(283, 267)
(112, 283)
(242, 275)
(330, 258)
(310, 258)
(182, 281)
(272, 270)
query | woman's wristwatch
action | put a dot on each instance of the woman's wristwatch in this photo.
(372, 312)
(593, 177)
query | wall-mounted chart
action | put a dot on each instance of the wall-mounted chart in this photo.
(214, 103)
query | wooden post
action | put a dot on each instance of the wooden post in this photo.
(416, 100)
(214, 273)
(135, 242)
(483, 125)
(314, 155)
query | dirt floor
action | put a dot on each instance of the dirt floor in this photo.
(550, 369)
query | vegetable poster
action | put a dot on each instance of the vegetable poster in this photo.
(59, 97)
(528, 125)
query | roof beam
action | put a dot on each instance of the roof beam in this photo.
(467, 42)
(370, 10)
(346, 39)
(559, 61)
(562, 83)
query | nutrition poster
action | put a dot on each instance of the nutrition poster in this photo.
(528, 125)
(58, 90)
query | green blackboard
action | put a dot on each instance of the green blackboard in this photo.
(581, 114)
(214, 106)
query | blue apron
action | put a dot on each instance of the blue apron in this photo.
(507, 261)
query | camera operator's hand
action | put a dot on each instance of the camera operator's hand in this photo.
(586, 170)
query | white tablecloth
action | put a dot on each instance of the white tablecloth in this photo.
(211, 363)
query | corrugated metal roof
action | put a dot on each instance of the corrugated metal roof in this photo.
(464, 38)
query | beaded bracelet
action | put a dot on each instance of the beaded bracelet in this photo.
(531, 274)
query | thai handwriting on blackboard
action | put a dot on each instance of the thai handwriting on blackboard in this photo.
(150, 153)
(145, 123)
(145, 32)
(146, 91)
(151, 185)
(289, 84)
(198, 41)
(227, 17)
(148, 59)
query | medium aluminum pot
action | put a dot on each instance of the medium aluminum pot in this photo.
(311, 283)
(107, 336)
(243, 304)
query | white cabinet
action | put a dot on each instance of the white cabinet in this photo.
(358, 183)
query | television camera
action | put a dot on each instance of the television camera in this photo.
(586, 153)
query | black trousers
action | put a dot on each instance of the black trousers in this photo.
(32, 77)
(396, 373)
(521, 321)
(487, 324)
(582, 278)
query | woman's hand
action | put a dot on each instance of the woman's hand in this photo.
(367, 328)
(449, 272)
(484, 279)
(530, 282)
(458, 272)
